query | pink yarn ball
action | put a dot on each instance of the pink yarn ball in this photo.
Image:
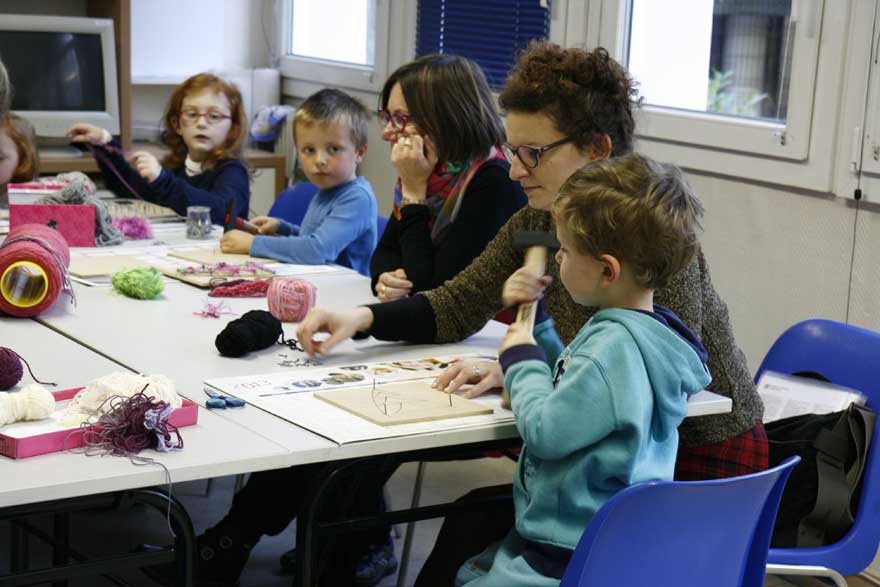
(290, 298)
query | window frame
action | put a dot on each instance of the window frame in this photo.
(740, 147)
(336, 73)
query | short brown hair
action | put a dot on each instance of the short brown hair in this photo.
(640, 211)
(21, 132)
(234, 144)
(331, 106)
(586, 93)
(450, 100)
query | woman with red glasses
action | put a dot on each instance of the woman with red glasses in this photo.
(565, 108)
(453, 192)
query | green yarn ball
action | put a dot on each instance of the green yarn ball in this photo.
(143, 283)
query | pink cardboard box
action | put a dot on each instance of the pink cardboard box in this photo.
(38, 444)
(75, 222)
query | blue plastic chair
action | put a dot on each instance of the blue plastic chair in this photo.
(675, 533)
(292, 203)
(846, 355)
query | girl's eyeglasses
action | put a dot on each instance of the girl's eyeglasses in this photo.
(398, 120)
(528, 155)
(191, 116)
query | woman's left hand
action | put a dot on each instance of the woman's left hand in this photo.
(147, 165)
(414, 157)
(236, 241)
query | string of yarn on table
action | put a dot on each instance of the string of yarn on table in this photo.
(33, 270)
(290, 298)
(255, 330)
(11, 370)
(143, 283)
(34, 402)
(239, 288)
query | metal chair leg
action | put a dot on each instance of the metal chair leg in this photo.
(411, 526)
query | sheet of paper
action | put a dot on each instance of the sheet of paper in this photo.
(785, 396)
(290, 395)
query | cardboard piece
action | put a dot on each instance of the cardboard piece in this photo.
(21, 445)
(88, 266)
(402, 403)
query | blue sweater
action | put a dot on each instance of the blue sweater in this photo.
(606, 419)
(339, 227)
(176, 190)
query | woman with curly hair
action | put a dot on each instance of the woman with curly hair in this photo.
(565, 108)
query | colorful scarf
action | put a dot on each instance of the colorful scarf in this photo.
(446, 186)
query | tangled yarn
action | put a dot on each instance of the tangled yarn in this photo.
(143, 283)
(79, 189)
(134, 227)
(240, 288)
(33, 402)
(92, 399)
(128, 425)
(224, 269)
(11, 370)
(290, 298)
(254, 331)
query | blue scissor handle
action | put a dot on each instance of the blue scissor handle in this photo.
(221, 402)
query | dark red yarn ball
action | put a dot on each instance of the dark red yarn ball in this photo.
(10, 369)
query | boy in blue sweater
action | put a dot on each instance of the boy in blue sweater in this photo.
(330, 133)
(607, 414)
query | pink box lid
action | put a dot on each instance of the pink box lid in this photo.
(75, 222)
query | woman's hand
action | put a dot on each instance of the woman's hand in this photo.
(414, 157)
(484, 374)
(340, 325)
(393, 285)
(146, 165)
(88, 133)
(237, 241)
(267, 224)
(524, 286)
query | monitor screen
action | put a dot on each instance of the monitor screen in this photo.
(58, 71)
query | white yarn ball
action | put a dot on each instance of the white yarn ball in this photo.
(34, 402)
(92, 399)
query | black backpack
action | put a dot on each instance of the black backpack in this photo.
(822, 493)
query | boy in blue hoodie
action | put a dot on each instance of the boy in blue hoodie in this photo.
(330, 133)
(606, 415)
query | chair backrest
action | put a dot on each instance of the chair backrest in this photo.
(846, 355)
(673, 533)
(292, 203)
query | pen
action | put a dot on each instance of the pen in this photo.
(242, 224)
(228, 223)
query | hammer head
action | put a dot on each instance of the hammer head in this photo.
(525, 239)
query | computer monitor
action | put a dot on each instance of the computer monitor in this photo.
(62, 70)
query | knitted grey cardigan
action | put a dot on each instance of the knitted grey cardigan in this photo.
(463, 305)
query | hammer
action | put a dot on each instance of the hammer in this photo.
(537, 246)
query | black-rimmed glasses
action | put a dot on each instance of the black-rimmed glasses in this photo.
(398, 120)
(528, 155)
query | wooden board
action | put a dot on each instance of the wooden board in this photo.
(402, 403)
(87, 266)
(203, 280)
(213, 256)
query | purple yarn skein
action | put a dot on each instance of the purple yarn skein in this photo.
(10, 369)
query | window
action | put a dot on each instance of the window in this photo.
(490, 32)
(348, 52)
(736, 87)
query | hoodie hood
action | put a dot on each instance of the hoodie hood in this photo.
(671, 353)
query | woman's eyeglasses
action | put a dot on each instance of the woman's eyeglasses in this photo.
(190, 117)
(528, 155)
(398, 120)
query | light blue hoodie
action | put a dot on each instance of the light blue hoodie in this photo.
(606, 418)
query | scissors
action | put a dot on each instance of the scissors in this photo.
(218, 401)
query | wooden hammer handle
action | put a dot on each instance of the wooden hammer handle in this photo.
(536, 260)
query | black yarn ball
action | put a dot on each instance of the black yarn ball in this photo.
(255, 330)
(10, 369)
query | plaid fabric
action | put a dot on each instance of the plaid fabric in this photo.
(740, 455)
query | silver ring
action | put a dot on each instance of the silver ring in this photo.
(476, 371)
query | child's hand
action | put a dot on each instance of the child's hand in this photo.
(236, 241)
(267, 224)
(146, 165)
(516, 334)
(88, 133)
(524, 286)
(414, 157)
(393, 285)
